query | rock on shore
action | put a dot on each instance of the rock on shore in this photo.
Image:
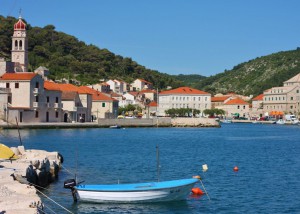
(37, 167)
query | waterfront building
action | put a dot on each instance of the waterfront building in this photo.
(183, 97)
(257, 109)
(29, 101)
(103, 106)
(235, 107)
(285, 98)
(141, 84)
(77, 103)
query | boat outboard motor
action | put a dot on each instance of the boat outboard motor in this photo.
(70, 184)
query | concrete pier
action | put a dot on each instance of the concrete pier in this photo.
(17, 194)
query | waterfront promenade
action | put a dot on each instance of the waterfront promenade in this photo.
(105, 123)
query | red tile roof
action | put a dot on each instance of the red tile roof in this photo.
(184, 90)
(142, 80)
(153, 104)
(259, 97)
(70, 87)
(96, 94)
(18, 76)
(51, 86)
(147, 91)
(219, 99)
(236, 101)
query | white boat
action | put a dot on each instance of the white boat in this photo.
(132, 193)
(280, 122)
(115, 127)
(226, 121)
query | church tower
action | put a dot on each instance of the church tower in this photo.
(19, 53)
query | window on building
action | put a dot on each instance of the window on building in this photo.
(56, 114)
(194, 98)
(37, 84)
(199, 98)
(20, 45)
(48, 99)
(205, 98)
(297, 91)
(16, 85)
(7, 85)
(56, 99)
(103, 104)
(16, 45)
(238, 107)
(36, 98)
(292, 98)
(183, 98)
(187, 98)
(36, 114)
(244, 107)
(291, 107)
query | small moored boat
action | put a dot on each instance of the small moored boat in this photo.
(132, 193)
(115, 127)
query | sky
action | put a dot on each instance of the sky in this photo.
(202, 37)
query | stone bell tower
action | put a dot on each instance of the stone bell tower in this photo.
(19, 53)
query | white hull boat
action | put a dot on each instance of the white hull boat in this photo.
(133, 193)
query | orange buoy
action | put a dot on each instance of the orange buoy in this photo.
(235, 169)
(197, 191)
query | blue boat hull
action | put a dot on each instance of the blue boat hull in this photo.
(137, 193)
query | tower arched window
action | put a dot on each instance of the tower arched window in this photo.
(16, 45)
(20, 45)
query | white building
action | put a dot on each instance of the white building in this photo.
(117, 86)
(141, 84)
(29, 101)
(183, 97)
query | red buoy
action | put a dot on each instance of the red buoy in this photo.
(235, 169)
(197, 191)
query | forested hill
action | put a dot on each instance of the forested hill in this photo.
(255, 76)
(66, 56)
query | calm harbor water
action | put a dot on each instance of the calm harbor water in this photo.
(268, 157)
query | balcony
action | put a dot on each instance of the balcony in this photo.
(36, 91)
(50, 105)
(39, 105)
(58, 105)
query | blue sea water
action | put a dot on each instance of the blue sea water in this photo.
(268, 157)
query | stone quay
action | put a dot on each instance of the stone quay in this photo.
(19, 177)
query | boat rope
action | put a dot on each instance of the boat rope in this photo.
(52, 211)
(204, 189)
(54, 202)
(71, 173)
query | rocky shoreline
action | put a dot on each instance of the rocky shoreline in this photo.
(18, 178)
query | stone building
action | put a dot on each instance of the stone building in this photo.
(285, 98)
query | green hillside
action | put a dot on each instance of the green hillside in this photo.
(67, 57)
(255, 76)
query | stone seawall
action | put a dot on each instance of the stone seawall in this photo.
(17, 194)
(194, 122)
(105, 123)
